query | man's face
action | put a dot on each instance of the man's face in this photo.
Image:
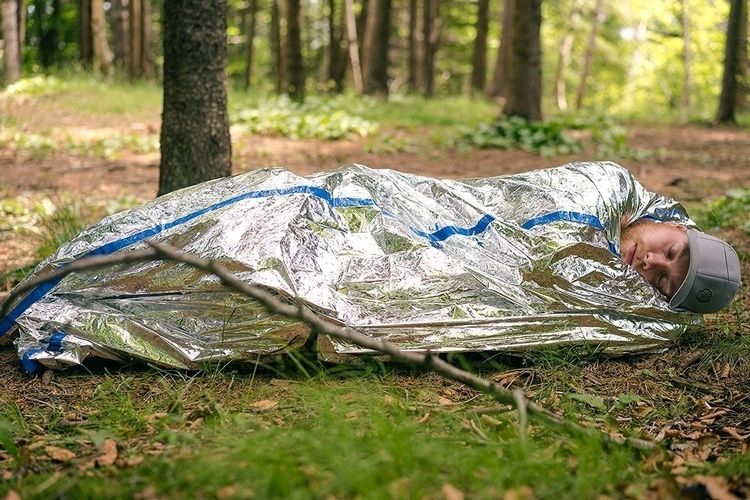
(658, 251)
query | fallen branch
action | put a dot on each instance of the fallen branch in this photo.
(300, 311)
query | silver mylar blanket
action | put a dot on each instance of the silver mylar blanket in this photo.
(503, 263)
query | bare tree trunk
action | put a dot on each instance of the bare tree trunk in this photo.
(195, 142)
(351, 35)
(11, 51)
(101, 55)
(295, 68)
(431, 29)
(524, 92)
(21, 22)
(147, 39)
(278, 54)
(136, 38)
(84, 33)
(337, 57)
(377, 45)
(361, 19)
(502, 66)
(120, 23)
(563, 59)
(686, 60)
(252, 10)
(479, 58)
(413, 69)
(590, 50)
(727, 99)
(743, 75)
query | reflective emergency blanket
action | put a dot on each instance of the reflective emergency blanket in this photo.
(503, 263)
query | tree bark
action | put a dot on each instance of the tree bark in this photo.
(147, 39)
(336, 57)
(686, 60)
(278, 54)
(743, 75)
(11, 51)
(120, 24)
(588, 59)
(377, 44)
(21, 23)
(295, 68)
(524, 91)
(195, 142)
(84, 34)
(136, 38)
(727, 99)
(353, 42)
(479, 57)
(100, 50)
(413, 64)
(502, 67)
(252, 10)
(431, 29)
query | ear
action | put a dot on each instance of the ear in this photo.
(677, 226)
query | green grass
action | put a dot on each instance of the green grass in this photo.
(363, 435)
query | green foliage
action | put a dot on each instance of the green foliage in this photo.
(35, 86)
(544, 138)
(58, 224)
(327, 118)
(731, 210)
(112, 146)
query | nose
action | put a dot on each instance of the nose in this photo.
(654, 261)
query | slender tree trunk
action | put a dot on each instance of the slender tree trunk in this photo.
(413, 69)
(136, 38)
(147, 39)
(120, 24)
(295, 68)
(502, 66)
(337, 57)
(524, 91)
(252, 10)
(11, 51)
(431, 30)
(195, 142)
(21, 23)
(588, 59)
(101, 55)
(353, 42)
(361, 18)
(727, 99)
(275, 33)
(563, 59)
(686, 60)
(377, 45)
(84, 33)
(479, 57)
(743, 75)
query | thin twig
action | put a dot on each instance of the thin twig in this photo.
(301, 311)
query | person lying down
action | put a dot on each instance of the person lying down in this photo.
(580, 253)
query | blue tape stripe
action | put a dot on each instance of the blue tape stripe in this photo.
(581, 218)
(55, 341)
(588, 219)
(447, 231)
(111, 247)
(29, 364)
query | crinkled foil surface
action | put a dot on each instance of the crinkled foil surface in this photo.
(503, 263)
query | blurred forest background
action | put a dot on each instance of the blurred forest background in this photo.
(637, 59)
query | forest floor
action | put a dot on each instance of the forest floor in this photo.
(298, 426)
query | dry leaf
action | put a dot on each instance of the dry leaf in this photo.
(450, 492)
(353, 415)
(716, 487)
(148, 493)
(7, 475)
(196, 424)
(133, 461)
(445, 401)
(280, 382)
(59, 454)
(109, 453)
(732, 432)
(12, 495)
(389, 400)
(425, 418)
(490, 420)
(36, 445)
(264, 405)
(725, 370)
(522, 493)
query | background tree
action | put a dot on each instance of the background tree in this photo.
(502, 65)
(11, 41)
(100, 54)
(728, 97)
(251, 14)
(588, 57)
(376, 45)
(479, 57)
(743, 75)
(431, 27)
(295, 68)
(119, 22)
(85, 47)
(524, 91)
(353, 44)
(413, 47)
(195, 142)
